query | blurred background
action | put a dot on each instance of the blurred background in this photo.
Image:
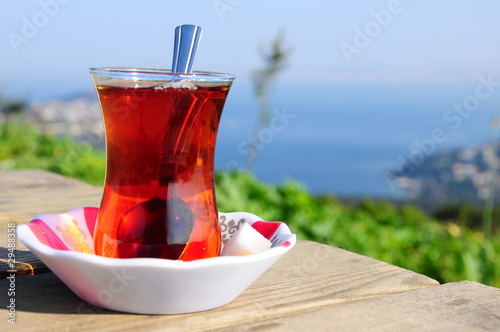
(379, 100)
(363, 88)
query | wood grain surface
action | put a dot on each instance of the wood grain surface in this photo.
(310, 277)
(459, 307)
(314, 287)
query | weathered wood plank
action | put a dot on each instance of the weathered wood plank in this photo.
(459, 307)
(309, 278)
(27, 193)
(35, 179)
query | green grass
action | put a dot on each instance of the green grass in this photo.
(22, 146)
(404, 236)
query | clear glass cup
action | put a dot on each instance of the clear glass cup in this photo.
(161, 130)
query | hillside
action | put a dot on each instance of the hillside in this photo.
(466, 175)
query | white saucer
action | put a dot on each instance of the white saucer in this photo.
(149, 285)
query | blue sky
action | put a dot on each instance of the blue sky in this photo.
(404, 41)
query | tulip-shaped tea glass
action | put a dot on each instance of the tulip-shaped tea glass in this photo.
(161, 130)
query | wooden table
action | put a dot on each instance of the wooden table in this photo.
(313, 288)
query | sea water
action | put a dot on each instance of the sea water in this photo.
(344, 138)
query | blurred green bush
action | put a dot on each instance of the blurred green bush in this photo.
(22, 146)
(404, 236)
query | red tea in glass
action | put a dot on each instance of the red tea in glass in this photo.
(161, 130)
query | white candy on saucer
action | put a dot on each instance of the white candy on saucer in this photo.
(245, 241)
